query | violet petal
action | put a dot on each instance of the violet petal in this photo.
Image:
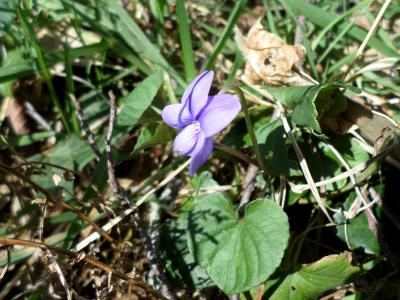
(200, 155)
(188, 138)
(176, 115)
(221, 110)
(196, 95)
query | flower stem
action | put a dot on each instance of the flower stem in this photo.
(249, 126)
(235, 153)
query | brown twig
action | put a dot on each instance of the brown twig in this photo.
(81, 257)
(121, 194)
(85, 127)
(118, 191)
(43, 213)
(86, 179)
(94, 236)
(235, 153)
(53, 199)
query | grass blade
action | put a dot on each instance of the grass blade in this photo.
(323, 18)
(227, 31)
(27, 66)
(42, 66)
(186, 40)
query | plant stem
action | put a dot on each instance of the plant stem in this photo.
(228, 29)
(253, 137)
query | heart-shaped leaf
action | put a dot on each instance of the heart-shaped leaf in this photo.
(312, 101)
(179, 262)
(312, 280)
(237, 253)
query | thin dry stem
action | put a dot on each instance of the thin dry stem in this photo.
(53, 199)
(151, 251)
(249, 186)
(60, 274)
(235, 153)
(85, 127)
(357, 169)
(31, 111)
(303, 164)
(371, 31)
(81, 257)
(94, 236)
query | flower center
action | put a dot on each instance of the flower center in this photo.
(195, 133)
(187, 141)
(196, 129)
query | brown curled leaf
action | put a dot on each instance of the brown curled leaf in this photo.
(269, 60)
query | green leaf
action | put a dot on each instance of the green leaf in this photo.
(325, 164)
(68, 151)
(322, 17)
(7, 14)
(238, 136)
(154, 134)
(14, 57)
(24, 140)
(113, 21)
(179, 262)
(359, 235)
(53, 180)
(272, 142)
(25, 67)
(350, 149)
(237, 253)
(304, 100)
(55, 9)
(137, 39)
(140, 99)
(312, 280)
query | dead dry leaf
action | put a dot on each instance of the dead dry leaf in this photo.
(17, 117)
(269, 60)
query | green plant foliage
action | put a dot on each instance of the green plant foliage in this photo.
(187, 237)
(272, 142)
(311, 280)
(322, 18)
(24, 140)
(238, 135)
(309, 102)
(140, 99)
(237, 253)
(154, 134)
(180, 263)
(70, 151)
(351, 150)
(356, 231)
(12, 59)
(7, 14)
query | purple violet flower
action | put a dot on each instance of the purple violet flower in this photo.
(199, 117)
